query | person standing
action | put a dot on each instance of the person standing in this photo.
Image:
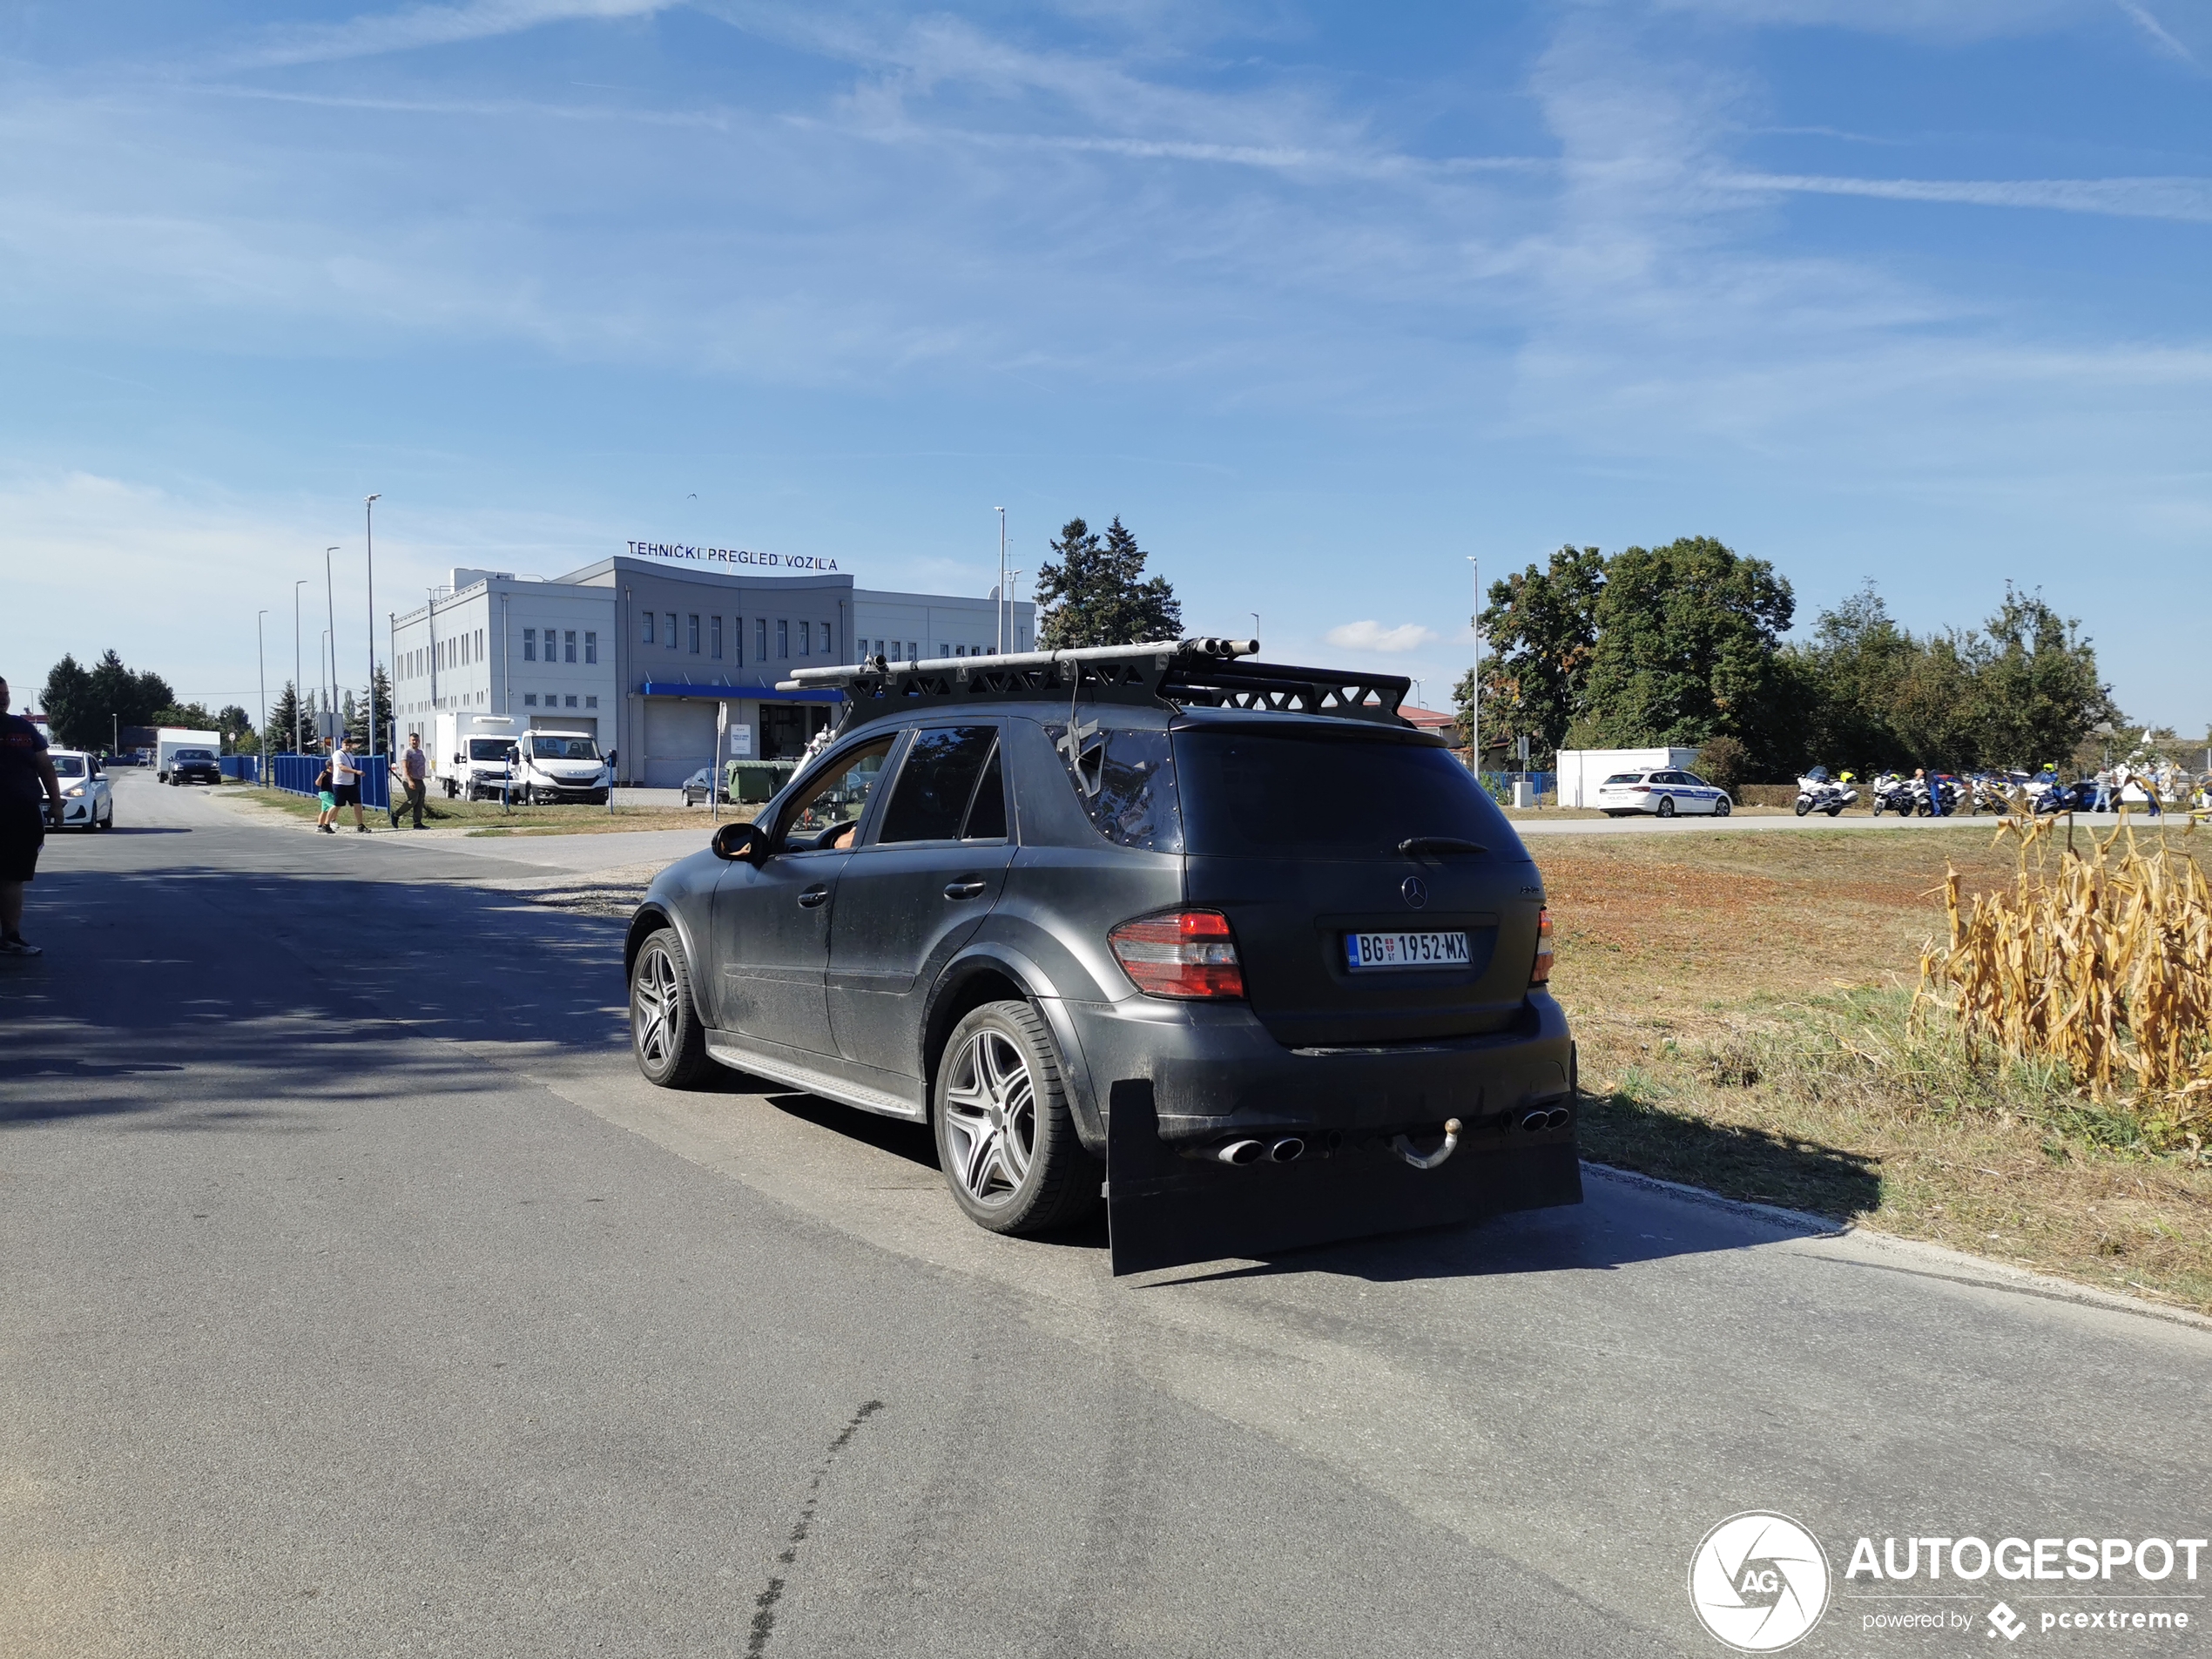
(411, 769)
(346, 782)
(2103, 801)
(31, 795)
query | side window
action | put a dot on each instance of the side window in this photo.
(1126, 782)
(937, 783)
(987, 814)
(832, 802)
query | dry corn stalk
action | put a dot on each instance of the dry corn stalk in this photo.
(2102, 963)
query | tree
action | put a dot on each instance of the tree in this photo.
(357, 717)
(131, 698)
(2037, 692)
(288, 717)
(1539, 632)
(67, 703)
(1096, 592)
(193, 716)
(237, 727)
(1688, 636)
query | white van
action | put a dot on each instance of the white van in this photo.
(560, 766)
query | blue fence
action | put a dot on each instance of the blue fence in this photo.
(296, 774)
(1500, 783)
(244, 768)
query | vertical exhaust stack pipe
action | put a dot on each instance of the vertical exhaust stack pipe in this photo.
(1288, 1150)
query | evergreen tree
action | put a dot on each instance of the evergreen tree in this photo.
(1096, 593)
(67, 703)
(357, 717)
(121, 695)
(288, 717)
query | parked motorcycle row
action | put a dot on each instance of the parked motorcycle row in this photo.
(1943, 795)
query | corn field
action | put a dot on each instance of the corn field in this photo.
(2101, 962)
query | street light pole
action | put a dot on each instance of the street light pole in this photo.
(368, 513)
(1474, 681)
(299, 677)
(1254, 615)
(999, 619)
(261, 658)
(330, 650)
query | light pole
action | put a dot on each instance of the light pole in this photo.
(1254, 615)
(330, 647)
(299, 679)
(261, 657)
(369, 530)
(1000, 618)
(1474, 681)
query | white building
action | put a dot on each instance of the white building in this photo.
(645, 655)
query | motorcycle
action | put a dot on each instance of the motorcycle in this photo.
(1817, 792)
(1903, 796)
(2055, 797)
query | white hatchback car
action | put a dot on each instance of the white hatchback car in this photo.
(1662, 792)
(88, 800)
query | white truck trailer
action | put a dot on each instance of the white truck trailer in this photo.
(470, 754)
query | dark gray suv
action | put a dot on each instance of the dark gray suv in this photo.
(1232, 933)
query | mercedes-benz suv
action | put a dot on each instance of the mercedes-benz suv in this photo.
(1231, 933)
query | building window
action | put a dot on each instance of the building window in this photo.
(480, 644)
(714, 638)
(760, 639)
(592, 647)
(647, 638)
(591, 701)
(805, 639)
(783, 641)
(568, 641)
(692, 633)
(529, 644)
(944, 651)
(670, 614)
(530, 699)
(572, 702)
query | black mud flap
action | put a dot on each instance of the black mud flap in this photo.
(1164, 1210)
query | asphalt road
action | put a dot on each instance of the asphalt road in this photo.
(361, 1300)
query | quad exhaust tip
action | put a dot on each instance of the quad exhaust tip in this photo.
(1556, 1118)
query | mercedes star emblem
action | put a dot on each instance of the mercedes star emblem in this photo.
(1416, 891)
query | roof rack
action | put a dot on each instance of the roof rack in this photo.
(1186, 673)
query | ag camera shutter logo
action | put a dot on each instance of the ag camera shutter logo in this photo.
(1759, 1582)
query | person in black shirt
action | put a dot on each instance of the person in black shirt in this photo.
(29, 795)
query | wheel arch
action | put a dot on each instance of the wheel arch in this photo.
(989, 974)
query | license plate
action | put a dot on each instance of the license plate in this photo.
(1366, 951)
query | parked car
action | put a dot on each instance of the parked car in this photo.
(88, 800)
(192, 767)
(1234, 930)
(698, 785)
(1662, 791)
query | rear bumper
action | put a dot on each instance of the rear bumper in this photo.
(1216, 1073)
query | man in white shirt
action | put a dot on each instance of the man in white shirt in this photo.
(346, 782)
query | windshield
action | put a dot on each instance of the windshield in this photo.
(195, 754)
(69, 766)
(1254, 796)
(545, 748)
(489, 748)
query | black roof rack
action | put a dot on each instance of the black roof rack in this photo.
(1187, 673)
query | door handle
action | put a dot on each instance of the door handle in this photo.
(966, 889)
(814, 895)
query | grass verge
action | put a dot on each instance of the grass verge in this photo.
(488, 818)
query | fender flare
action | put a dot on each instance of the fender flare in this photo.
(1074, 1070)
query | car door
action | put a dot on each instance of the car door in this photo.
(1697, 795)
(771, 919)
(932, 865)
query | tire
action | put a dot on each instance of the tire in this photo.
(1006, 1139)
(1804, 806)
(1666, 806)
(666, 1033)
(1723, 808)
(1835, 811)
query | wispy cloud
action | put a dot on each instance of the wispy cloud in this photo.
(1374, 635)
(375, 34)
(2178, 197)
(2140, 16)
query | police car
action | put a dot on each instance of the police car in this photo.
(1662, 791)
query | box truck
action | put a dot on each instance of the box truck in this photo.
(470, 754)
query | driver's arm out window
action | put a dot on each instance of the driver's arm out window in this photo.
(833, 800)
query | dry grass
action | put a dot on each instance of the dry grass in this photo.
(1744, 1008)
(488, 818)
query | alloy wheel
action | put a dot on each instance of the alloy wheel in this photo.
(990, 1118)
(655, 1008)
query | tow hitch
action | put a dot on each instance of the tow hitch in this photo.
(1257, 1195)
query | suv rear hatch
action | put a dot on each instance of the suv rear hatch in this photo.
(1307, 832)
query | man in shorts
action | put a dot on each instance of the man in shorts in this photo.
(30, 795)
(346, 783)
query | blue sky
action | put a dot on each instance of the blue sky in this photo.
(1321, 300)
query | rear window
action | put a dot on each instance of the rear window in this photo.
(1256, 796)
(1626, 777)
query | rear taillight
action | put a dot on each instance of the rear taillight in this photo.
(1180, 953)
(1542, 973)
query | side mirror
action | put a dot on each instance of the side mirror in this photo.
(735, 841)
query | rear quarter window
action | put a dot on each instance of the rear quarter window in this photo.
(1126, 783)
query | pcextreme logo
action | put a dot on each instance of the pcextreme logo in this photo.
(1759, 1582)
